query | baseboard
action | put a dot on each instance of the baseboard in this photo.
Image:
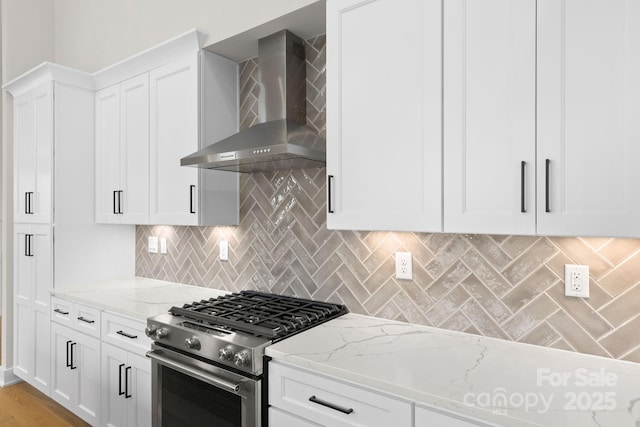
(7, 377)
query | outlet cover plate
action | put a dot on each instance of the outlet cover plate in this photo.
(576, 280)
(153, 245)
(404, 266)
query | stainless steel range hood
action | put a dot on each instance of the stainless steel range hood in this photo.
(280, 140)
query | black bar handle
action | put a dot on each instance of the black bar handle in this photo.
(547, 168)
(68, 362)
(82, 319)
(191, 209)
(523, 164)
(57, 310)
(120, 392)
(330, 405)
(26, 202)
(73, 344)
(124, 334)
(27, 245)
(329, 197)
(127, 395)
(115, 195)
(120, 202)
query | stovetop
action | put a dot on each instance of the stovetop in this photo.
(234, 329)
(268, 315)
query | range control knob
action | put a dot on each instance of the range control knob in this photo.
(150, 331)
(192, 343)
(242, 359)
(162, 333)
(226, 353)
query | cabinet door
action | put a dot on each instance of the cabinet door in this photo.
(24, 156)
(173, 134)
(139, 404)
(64, 388)
(134, 155)
(108, 158)
(86, 358)
(33, 142)
(489, 116)
(32, 282)
(114, 404)
(588, 109)
(384, 94)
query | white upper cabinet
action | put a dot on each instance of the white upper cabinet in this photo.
(489, 116)
(384, 113)
(151, 110)
(122, 147)
(33, 142)
(588, 131)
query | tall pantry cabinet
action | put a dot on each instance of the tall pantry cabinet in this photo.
(57, 243)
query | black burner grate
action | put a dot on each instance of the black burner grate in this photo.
(269, 315)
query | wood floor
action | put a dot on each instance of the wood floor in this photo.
(22, 405)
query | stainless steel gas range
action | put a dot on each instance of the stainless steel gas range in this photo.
(207, 358)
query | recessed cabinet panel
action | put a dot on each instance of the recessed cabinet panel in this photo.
(384, 115)
(489, 116)
(108, 154)
(588, 105)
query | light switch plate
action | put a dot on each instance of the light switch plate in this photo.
(153, 245)
(224, 250)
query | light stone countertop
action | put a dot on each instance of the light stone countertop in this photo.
(137, 297)
(470, 374)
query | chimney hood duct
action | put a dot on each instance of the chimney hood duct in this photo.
(281, 140)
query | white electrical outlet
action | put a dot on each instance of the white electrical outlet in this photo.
(404, 266)
(153, 245)
(163, 245)
(224, 250)
(576, 280)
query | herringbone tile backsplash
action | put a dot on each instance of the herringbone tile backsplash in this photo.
(510, 287)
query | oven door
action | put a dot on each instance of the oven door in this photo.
(190, 392)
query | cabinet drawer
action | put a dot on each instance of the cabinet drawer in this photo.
(125, 332)
(62, 311)
(87, 319)
(332, 402)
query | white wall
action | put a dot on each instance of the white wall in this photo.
(92, 34)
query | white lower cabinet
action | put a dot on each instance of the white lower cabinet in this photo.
(302, 398)
(126, 397)
(75, 372)
(318, 400)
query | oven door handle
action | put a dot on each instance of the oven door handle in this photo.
(210, 379)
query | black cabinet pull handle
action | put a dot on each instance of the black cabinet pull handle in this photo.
(120, 202)
(68, 361)
(547, 168)
(330, 405)
(120, 392)
(73, 344)
(124, 334)
(329, 197)
(57, 310)
(26, 202)
(127, 395)
(27, 245)
(191, 209)
(115, 195)
(522, 176)
(82, 319)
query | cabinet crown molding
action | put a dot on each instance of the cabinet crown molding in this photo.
(46, 72)
(187, 43)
